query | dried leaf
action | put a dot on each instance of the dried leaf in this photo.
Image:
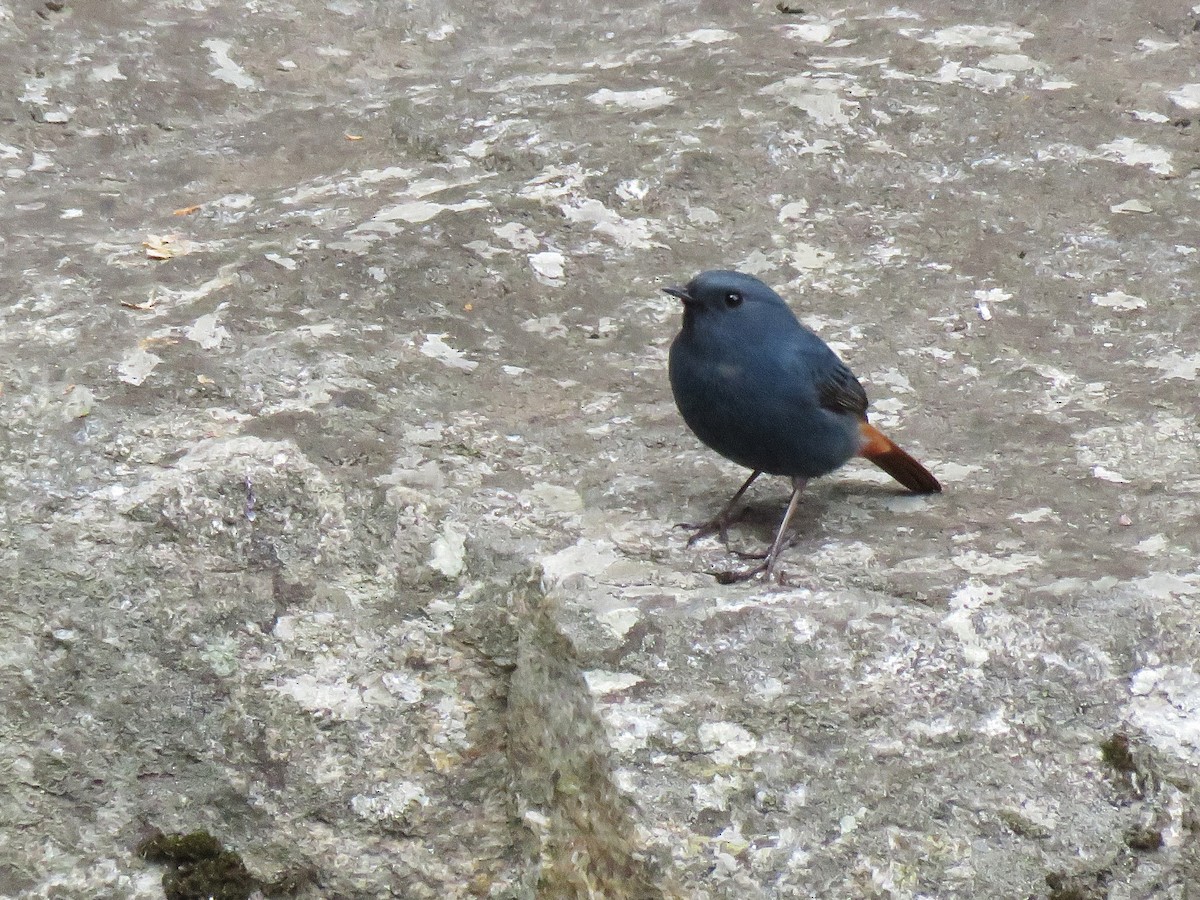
(149, 303)
(159, 247)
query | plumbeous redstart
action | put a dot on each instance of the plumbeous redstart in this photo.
(765, 392)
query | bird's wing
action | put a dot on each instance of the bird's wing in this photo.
(839, 391)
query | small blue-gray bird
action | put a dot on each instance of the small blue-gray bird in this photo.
(765, 392)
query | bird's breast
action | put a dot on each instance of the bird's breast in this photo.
(728, 371)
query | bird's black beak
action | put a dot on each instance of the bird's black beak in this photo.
(681, 293)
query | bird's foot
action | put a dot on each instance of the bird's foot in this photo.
(760, 554)
(718, 526)
(729, 576)
(766, 569)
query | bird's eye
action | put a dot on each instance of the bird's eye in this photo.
(733, 299)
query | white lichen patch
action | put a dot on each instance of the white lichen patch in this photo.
(894, 379)
(78, 402)
(1166, 586)
(105, 74)
(448, 552)
(1131, 152)
(1119, 301)
(1065, 388)
(886, 253)
(548, 326)
(601, 681)
(389, 802)
(995, 723)
(956, 73)
(552, 498)
(415, 212)
(994, 37)
(328, 691)
(703, 36)
(768, 690)
(967, 617)
(630, 725)
(952, 472)
(1153, 45)
(524, 82)
(885, 411)
(556, 182)
(451, 730)
(632, 190)
(619, 620)
(1166, 708)
(435, 347)
(226, 69)
(1041, 514)
(517, 235)
(756, 262)
(404, 686)
(715, 794)
(817, 32)
(726, 741)
(284, 262)
(1008, 62)
(793, 212)
(1187, 96)
(221, 656)
(807, 258)
(588, 558)
(1163, 449)
(976, 562)
(1153, 545)
(310, 633)
(985, 298)
(1062, 152)
(207, 332)
(1174, 364)
(135, 367)
(647, 98)
(630, 234)
(549, 267)
(819, 98)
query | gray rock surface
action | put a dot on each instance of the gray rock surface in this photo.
(339, 467)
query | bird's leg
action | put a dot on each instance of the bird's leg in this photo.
(719, 524)
(768, 565)
(798, 485)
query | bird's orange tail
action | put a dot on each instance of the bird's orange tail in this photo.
(879, 449)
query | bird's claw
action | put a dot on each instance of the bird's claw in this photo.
(717, 527)
(767, 569)
(729, 576)
(760, 554)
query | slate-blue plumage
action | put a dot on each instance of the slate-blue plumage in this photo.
(762, 390)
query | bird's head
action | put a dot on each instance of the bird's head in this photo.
(723, 295)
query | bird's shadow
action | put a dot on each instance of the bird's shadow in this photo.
(869, 489)
(759, 519)
(755, 524)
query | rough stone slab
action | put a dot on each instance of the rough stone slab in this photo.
(339, 470)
